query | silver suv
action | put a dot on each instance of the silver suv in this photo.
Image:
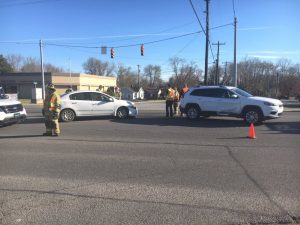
(229, 101)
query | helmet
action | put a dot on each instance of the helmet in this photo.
(50, 86)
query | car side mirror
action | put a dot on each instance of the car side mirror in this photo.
(111, 99)
(234, 96)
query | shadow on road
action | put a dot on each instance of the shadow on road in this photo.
(30, 120)
(285, 127)
(183, 121)
(20, 136)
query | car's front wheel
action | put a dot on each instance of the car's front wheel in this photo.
(122, 113)
(253, 115)
(67, 115)
(192, 112)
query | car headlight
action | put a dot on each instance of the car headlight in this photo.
(132, 106)
(269, 104)
(130, 103)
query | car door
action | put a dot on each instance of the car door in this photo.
(81, 103)
(102, 105)
(229, 103)
(206, 99)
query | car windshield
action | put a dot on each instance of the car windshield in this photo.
(242, 92)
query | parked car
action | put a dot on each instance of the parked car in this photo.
(94, 103)
(229, 101)
(11, 111)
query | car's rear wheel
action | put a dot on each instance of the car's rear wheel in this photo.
(67, 115)
(192, 112)
(253, 115)
(122, 113)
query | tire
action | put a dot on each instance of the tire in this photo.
(192, 112)
(122, 113)
(67, 115)
(253, 115)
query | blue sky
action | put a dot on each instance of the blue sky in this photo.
(267, 29)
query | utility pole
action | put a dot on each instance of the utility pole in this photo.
(138, 76)
(225, 73)
(217, 63)
(234, 57)
(277, 84)
(206, 41)
(42, 69)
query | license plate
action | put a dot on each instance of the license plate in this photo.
(17, 115)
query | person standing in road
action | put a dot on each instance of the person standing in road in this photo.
(51, 111)
(176, 100)
(169, 101)
(184, 90)
(69, 90)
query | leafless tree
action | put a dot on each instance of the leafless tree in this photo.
(16, 61)
(33, 65)
(126, 77)
(184, 73)
(152, 73)
(97, 67)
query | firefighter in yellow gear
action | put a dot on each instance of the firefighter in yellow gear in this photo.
(169, 101)
(51, 111)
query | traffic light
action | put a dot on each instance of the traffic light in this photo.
(112, 53)
(142, 49)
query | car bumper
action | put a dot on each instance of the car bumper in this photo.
(274, 112)
(12, 117)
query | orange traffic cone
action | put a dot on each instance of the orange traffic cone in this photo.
(252, 132)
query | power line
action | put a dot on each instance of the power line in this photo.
(2, 5)
(197, 16)
(35, 41)
(202, 28)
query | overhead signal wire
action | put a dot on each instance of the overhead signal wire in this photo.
(125, 46)
(137, 44)
(25, 42)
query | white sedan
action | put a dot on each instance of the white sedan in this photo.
(94, 103)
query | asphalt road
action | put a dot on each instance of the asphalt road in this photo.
(150, 170)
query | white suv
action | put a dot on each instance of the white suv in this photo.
(11, 111)
(229, 101)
